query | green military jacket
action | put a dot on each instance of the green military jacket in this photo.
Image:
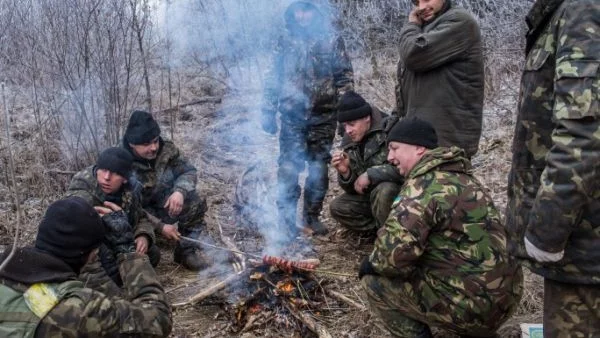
(441, 78)
(370, 155)
(554, 183)
(445, 233)
(168, 173)
(309, 69)
(77, 311)
(85, 185)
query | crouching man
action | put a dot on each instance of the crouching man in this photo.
(370, 183)
(440, 259)
(40, 295)
(168, 188)
(109, 180)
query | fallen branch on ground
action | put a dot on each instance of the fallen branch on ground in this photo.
(310, 323)
(210, 290)
(344, 299)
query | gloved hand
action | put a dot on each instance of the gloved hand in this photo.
(268, 121)
(119, 234)
(366, 268)
(541, 255)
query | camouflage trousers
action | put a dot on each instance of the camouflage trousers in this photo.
(571, 310)
(365, 212)
(300, 144)
(190, 220)
(409, 308)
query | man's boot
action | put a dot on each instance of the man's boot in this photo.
(190, 258)
(312, 222)
(153, 255)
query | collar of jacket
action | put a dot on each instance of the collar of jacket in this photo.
(445, 7)
(444, 159)
(30, 265)
(538, 17)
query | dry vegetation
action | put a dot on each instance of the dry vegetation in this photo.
(68, 93)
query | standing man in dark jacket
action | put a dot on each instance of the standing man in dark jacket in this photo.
(553, 216)
(168, 188)
(110, 180)
(40, 295)
(369, 181)
(440, 72)
(310, 69)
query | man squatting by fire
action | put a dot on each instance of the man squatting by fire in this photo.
(310, 70)
(168, 189)
(369, 181)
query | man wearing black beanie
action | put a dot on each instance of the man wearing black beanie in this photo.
(442, 241)
(169, 188)
(111, 180)
(369, 181)
(40, 295)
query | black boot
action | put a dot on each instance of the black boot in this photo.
(313, 223)
(153, 255)
(191, 258)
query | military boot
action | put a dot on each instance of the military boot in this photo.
(191, 258)
(312, 222)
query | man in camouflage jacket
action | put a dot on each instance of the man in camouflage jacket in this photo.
(553, 215)
(40, 295)
(440, 72)
(168, 188)
(441, 258)
(310, 69)
(369, 181)
(110, 180)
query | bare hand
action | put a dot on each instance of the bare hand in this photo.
(169, 231)
(174, 204)
(141, 244)
(107, 208)
(415, 16)
(361, 183)
(341, 163)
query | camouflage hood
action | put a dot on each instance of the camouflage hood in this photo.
(446, 159)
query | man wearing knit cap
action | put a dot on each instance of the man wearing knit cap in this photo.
(440, 259)
(110, 180)
(40, 295)
(369, 181)
(168, 188)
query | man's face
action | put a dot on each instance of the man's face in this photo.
(429, 8)
(404, 156)
(304, 17)
(357, 129)
(109, 182)
(146, 151)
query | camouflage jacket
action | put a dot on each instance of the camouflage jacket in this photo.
(440, 77)
(85, 185)
(309, 70)
(370, 155)
(168, 173)
(83, 312)
(445, 231)
(554, 183)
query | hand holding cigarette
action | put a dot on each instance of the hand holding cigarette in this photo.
(341, 162)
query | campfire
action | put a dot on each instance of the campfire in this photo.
(277, 292)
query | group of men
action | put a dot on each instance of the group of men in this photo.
(442, 256)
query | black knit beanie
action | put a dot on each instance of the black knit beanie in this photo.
(411, 130)
(142, 128)
(352, 107)
(70, 230)
(117, 160)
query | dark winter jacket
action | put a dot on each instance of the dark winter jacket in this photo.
(441, 79)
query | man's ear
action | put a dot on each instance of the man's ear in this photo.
(421, 150)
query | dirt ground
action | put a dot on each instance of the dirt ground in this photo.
(208, 136)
